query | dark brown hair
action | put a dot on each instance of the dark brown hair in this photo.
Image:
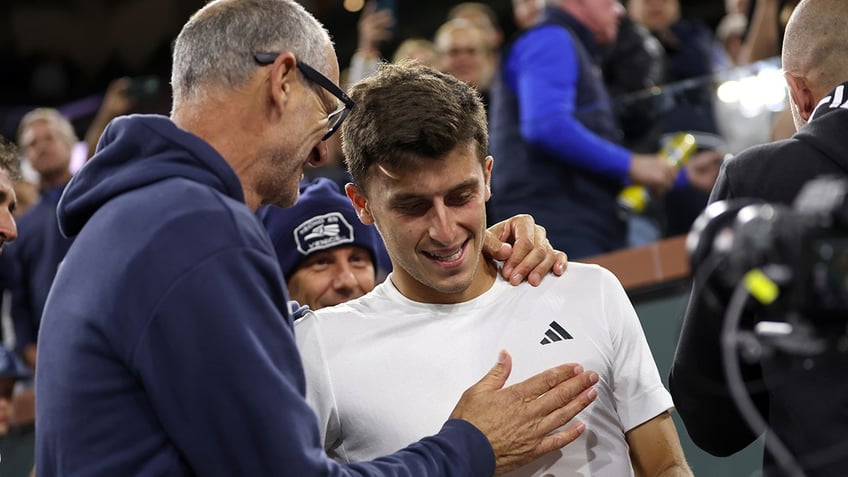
(407, 113)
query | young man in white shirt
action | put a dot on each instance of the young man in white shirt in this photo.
(416, 148)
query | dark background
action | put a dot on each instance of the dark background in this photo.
(64, 53)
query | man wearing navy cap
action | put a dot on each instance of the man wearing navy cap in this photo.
(326, 254)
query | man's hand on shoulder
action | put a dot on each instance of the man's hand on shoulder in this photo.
(525, 249)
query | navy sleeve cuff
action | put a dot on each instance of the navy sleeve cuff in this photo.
(471, 445)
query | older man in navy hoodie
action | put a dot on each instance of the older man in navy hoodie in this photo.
(166, 346)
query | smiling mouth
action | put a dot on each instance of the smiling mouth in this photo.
(447, 256)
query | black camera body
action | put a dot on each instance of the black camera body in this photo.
(803, 249)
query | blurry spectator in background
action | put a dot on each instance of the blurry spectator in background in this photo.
(526, 13)
(326, 254)
(737, 125)
(764, 38)
(689, 47)
(484, 18)
(730, 34)
(554, 134)
(417, 49)
(374, 28)
(766, 23)
(465, 53)
(47, 139)
(632, 65)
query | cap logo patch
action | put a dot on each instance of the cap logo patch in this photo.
(323, 231)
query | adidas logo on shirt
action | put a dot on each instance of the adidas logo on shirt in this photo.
(555, 333)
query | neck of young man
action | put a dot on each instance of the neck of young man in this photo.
(483, 278)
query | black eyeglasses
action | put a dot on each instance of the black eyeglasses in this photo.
(337, 117)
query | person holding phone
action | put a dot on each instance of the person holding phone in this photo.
(375, 27)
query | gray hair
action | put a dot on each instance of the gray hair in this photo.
(216, 46)
(62, 125)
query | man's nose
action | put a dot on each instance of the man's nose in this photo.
(344, 277)
(442, 226)
(8, 227)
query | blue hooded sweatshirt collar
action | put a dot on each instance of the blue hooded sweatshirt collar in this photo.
(134, 152)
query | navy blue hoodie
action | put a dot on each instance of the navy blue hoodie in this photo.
(166, 347)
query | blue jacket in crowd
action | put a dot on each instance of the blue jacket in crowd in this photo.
(166, 345)
(554, 139)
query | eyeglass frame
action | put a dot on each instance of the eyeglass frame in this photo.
(313, 75)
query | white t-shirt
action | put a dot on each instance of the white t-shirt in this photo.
(384, 371)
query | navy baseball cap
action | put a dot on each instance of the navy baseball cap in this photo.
(322, 218)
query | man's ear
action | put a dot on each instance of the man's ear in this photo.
(801, 95)
(282, 80)
(360, 203)
(487, 174)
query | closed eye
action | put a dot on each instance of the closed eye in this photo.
(416, 208)
(460, 198)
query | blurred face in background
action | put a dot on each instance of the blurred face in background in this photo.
(417, 49)
(47, 150)
(491, 31)
(655, 15)
(601, 17)
(464, 53)
(526, 13)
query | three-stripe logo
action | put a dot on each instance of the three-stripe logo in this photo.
(555, 333)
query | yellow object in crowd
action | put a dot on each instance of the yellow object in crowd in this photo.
(676, 152)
